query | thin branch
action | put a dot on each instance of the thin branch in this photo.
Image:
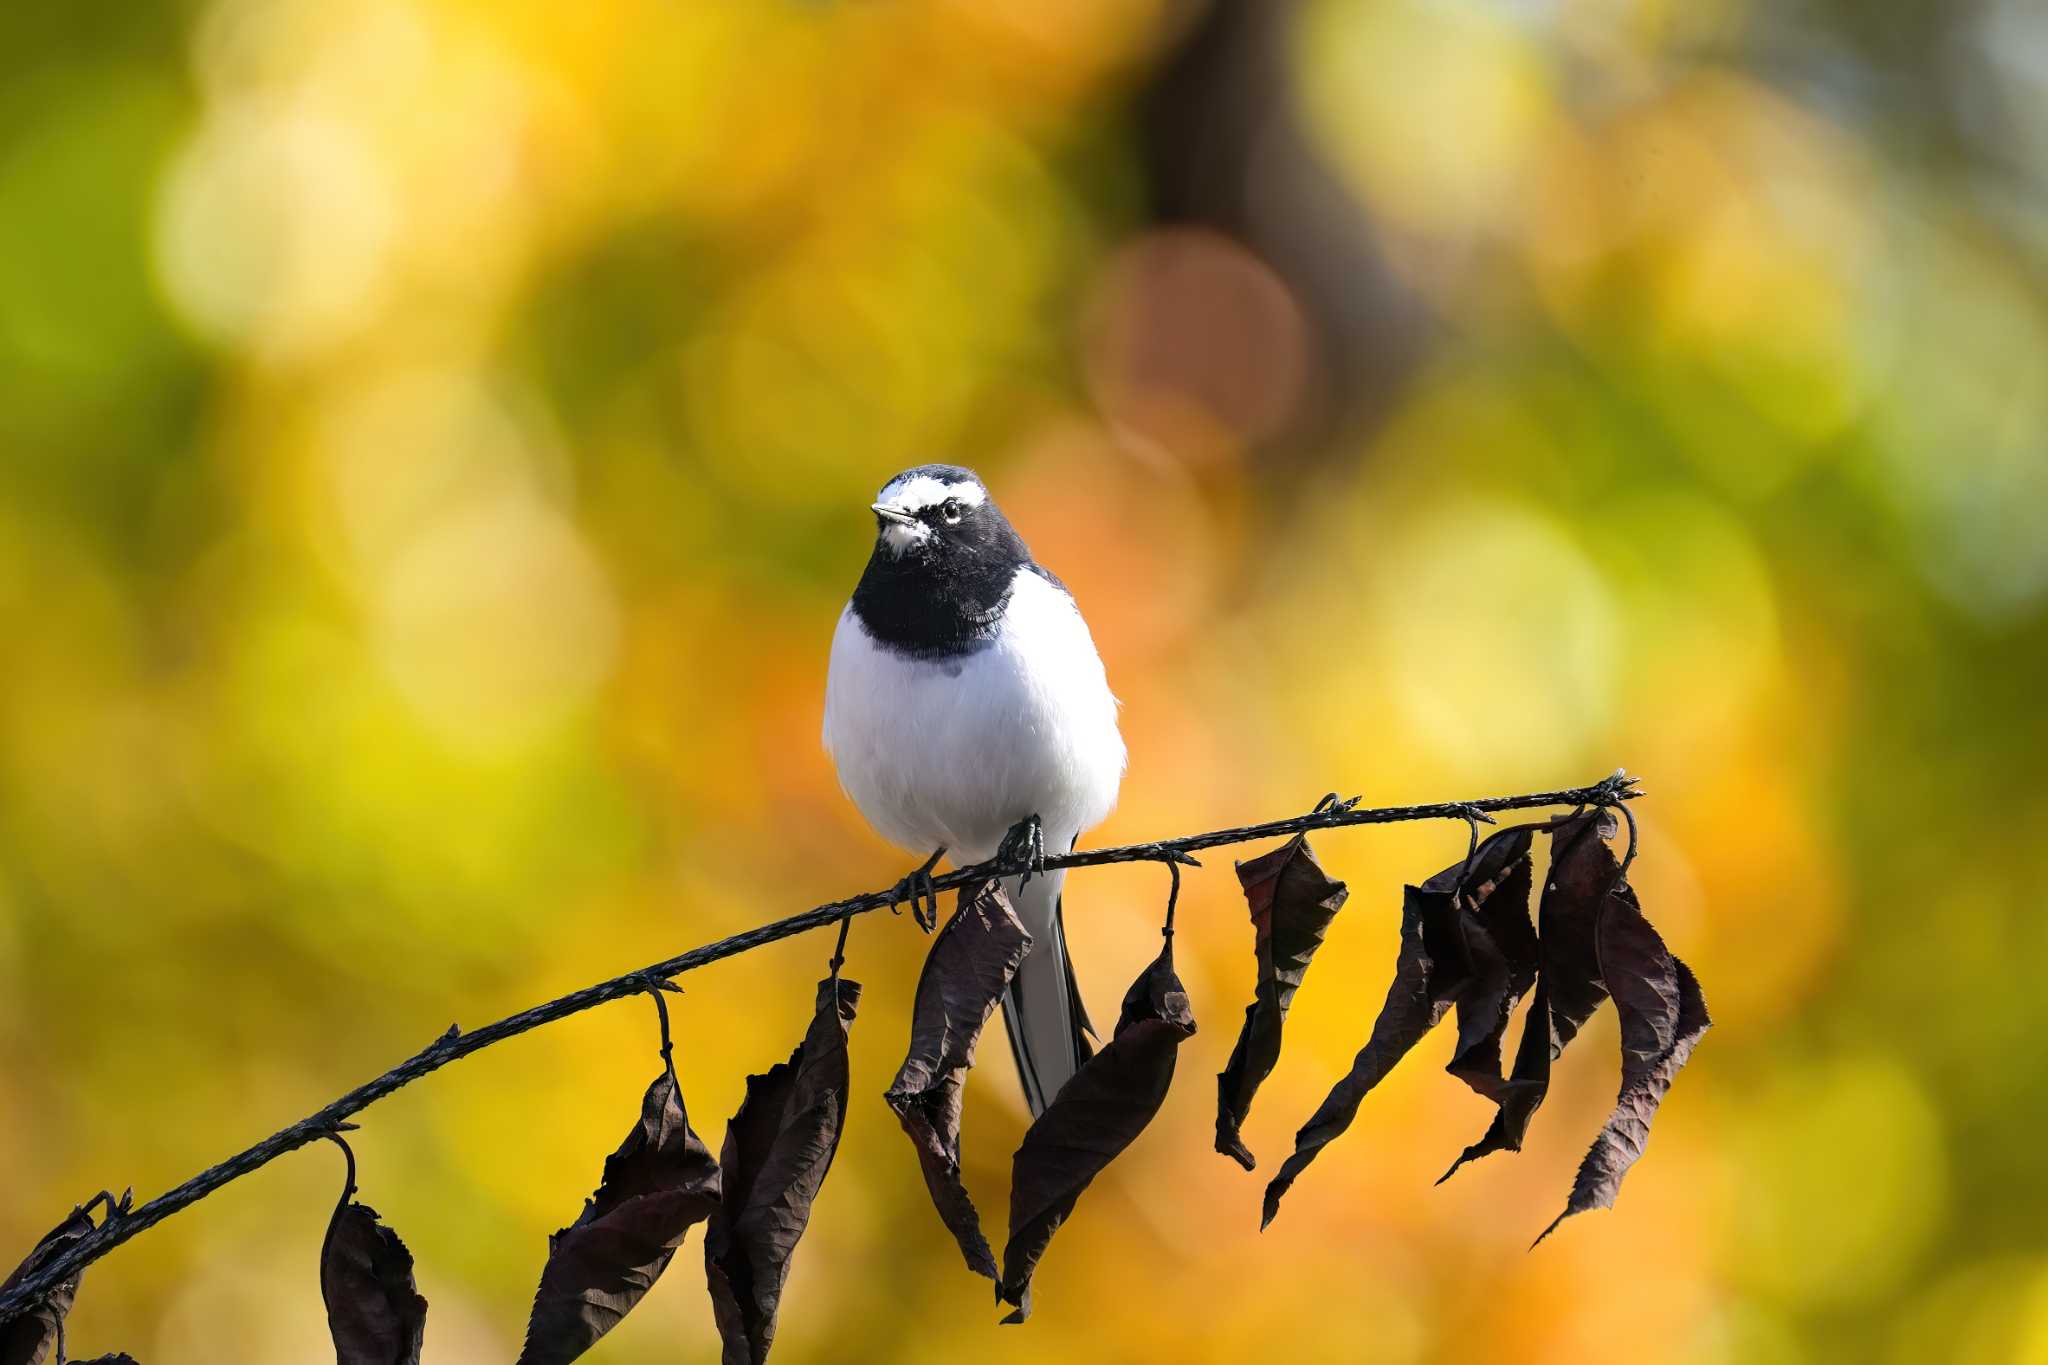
(454, 1044)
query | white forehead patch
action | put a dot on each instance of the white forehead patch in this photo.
(916, 492)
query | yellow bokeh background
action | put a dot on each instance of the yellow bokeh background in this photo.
(435, 439)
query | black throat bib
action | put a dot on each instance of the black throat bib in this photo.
(934, 606)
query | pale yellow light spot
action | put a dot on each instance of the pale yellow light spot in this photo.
(1439, 146)
(274, 230)
(1497, 635)
(496, 623)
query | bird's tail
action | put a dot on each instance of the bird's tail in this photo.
(1042, 1008)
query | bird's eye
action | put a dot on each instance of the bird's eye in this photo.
(950, 509)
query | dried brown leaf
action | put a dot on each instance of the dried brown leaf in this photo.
(1422, 991)
(778, 1149)
(1449, 955)
(374, 1310)
(1663, 1015)
(970, 963)
(660, 1182)
(32, 1338)
(1096, 1115)
(1292, 902)
(1582, 872)
(1568, 989)
(1492, 916)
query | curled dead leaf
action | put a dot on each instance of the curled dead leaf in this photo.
(1292, 902)
(1582, 872)
(970, 963)
(374, 1310)
(1449, 955)
(659, 1183)
(778, 1149)
(1491, 916)
(1663, 1016)
(1095, 1116)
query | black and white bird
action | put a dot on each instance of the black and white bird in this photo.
(966, 699)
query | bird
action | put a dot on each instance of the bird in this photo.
(968, 715)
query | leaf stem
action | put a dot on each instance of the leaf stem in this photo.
(348, 1192)
(839, 949)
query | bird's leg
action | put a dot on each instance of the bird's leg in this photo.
(917, 888)
(1025, 844)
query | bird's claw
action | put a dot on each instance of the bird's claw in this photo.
(917, 888)
(1024, 847)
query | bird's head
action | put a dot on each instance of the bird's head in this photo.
(940, 512)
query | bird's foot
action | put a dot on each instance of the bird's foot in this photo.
(1024, 846)
(917, 888)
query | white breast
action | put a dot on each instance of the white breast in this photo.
(953, 753)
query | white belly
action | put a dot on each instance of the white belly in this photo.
(953, 753)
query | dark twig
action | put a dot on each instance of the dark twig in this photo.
(1472, 818)
(455, 1044)
(839, 948)
(1630, 856)
(668, 1048)
(1172, 895)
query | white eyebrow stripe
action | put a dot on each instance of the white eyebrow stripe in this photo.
(919, 491)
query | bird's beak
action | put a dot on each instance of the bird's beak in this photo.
(884, 514)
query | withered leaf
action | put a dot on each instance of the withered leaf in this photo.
(1449, 954)
(1582, 871)
(970, 963)
(1528, 1082)
(660, 1182)
(1292, 902)
(1492, 915)
(1568, 989)
(778, 1149)
(31, 1339)
(374, 1310)
(1095, 1116)
(1663, 1015)
(1421, 992)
